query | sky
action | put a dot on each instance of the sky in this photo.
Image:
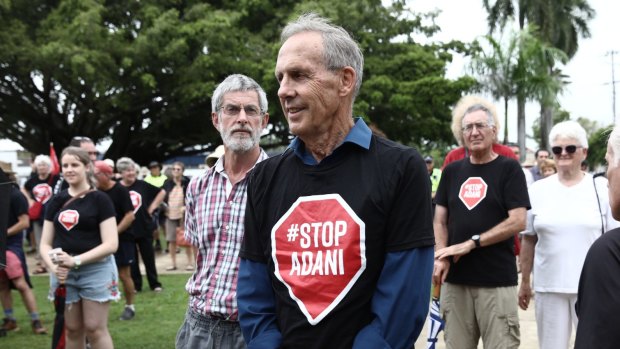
(590, 71)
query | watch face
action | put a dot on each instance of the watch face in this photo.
(475, 237)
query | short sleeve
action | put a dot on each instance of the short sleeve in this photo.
(409, 223)
(106, 207)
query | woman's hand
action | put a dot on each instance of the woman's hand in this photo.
(63, 259)
(525, 295)
(61, 273)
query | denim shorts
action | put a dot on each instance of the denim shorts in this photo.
(96, 282)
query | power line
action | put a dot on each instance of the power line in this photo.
(613, 82)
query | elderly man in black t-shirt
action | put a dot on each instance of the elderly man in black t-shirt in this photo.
(125, 254)
(338, 245)
(482, 202)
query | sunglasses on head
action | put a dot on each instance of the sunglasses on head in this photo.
(570, 149)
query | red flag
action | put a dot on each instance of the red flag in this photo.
(55, 164)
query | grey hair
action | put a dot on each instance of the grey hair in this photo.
(339, 48)
(125, 163)
(569, 129)
(234, 83)
(43, 159)
(614, 143)
(463, 107)
(477, 107)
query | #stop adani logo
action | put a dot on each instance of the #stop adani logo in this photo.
(318, 248)
(473, 191)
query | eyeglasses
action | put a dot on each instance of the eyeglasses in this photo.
(234, 110)
(570, 149)
(177, 169)
(470, 127)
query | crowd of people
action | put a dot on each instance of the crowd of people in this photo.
(336, 241)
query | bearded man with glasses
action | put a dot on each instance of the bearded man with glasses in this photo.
(570, 210)
(485, 196)
(215, 215)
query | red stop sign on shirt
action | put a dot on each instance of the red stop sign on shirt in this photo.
(473, 191)
(69, 219)
(136, 200)
(318, 248)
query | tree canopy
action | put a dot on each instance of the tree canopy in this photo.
(141, 73)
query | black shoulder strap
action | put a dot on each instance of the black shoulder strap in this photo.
(85, 192)
(598, 200)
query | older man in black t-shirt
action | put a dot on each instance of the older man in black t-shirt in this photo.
(125, 253)
(482, 202)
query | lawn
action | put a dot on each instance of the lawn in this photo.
(158, 317)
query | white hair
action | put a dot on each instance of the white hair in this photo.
(569, 129)
(43, 159)
(614, 143)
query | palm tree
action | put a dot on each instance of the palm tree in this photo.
(519, 69)
(496, 69)
(561, 23)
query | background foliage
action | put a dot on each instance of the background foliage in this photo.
(142, 72)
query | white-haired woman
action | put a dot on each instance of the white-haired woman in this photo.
(570, 210)
(38, 190)
(598, 300)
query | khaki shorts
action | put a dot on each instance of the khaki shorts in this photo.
(171, 229)
(472, 312)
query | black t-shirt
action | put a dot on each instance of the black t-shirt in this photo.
(122, 204)
(142, 195)
(385, 187)
(598, 301)
(473, 210)
(41, 190)
(17, 207)
(77, 225)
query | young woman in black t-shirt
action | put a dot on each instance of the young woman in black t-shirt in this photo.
(82, 223)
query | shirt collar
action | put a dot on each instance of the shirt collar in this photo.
(359, 135)
(219, 165)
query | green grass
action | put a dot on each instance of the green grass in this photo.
(158, 317)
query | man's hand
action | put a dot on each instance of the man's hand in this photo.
(456, 251)
(440, 271)
(525, 294)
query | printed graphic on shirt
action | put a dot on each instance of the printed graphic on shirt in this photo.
(69, 219)
(319, 245)
(42, 192)
(136, 200)
(473, 191)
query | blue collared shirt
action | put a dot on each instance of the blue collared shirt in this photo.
(360, 135)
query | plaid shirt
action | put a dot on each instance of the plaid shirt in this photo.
(214, 221)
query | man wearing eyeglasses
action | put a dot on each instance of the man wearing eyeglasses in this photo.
(485, 196)
(215, 215)
(338, 249)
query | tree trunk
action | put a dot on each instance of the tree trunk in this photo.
(521, 126)
(505, 120)
(546, 122)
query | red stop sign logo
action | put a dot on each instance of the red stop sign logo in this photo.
(69, 219)
(42, 192)
(318, 248)
(136, 200)
(473, 191)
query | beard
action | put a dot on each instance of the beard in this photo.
(238, 143)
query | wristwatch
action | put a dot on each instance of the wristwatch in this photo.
(76, 262)
(476, 240)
